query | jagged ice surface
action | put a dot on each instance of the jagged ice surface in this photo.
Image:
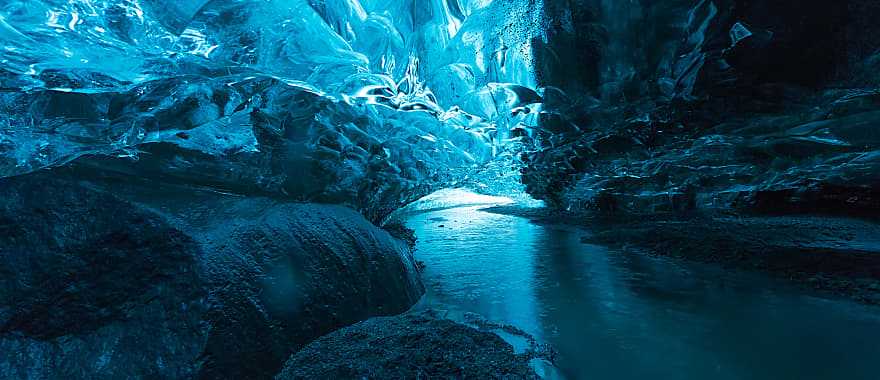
(374, 103)
(369, 103)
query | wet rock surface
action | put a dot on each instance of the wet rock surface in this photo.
(171, 282)
(832, 255)
(167, 241)
(419, 345)
(755, 145)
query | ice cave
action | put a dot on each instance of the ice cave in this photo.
(440, 189)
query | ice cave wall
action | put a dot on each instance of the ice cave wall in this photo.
(371, 104)
(602, 104)
(766, 106)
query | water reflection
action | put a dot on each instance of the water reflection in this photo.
(630, 316)
(500, 275)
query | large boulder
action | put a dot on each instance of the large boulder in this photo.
(415, 346)
(109, 279)
(296, 271)
(93, 286)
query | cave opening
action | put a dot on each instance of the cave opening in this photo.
(439, 189)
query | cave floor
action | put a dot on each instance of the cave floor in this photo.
(614, 313)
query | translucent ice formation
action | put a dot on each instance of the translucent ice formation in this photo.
(366, 102)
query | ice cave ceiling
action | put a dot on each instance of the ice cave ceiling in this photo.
(323, 100)
(374, 103)
(210, 188)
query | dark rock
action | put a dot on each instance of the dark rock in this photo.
(91, 284)
(293, 272)
(122, 279)
(411, 346)
(766, 106)
(835, 255)
(828, 199)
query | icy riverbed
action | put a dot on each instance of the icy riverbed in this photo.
(619, 315)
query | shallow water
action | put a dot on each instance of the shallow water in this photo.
(628, 316)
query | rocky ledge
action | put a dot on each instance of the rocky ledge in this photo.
(836, 256)
(113, 278)
(418, 346)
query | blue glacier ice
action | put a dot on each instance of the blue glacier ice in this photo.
(365, 102)
(204, 188)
